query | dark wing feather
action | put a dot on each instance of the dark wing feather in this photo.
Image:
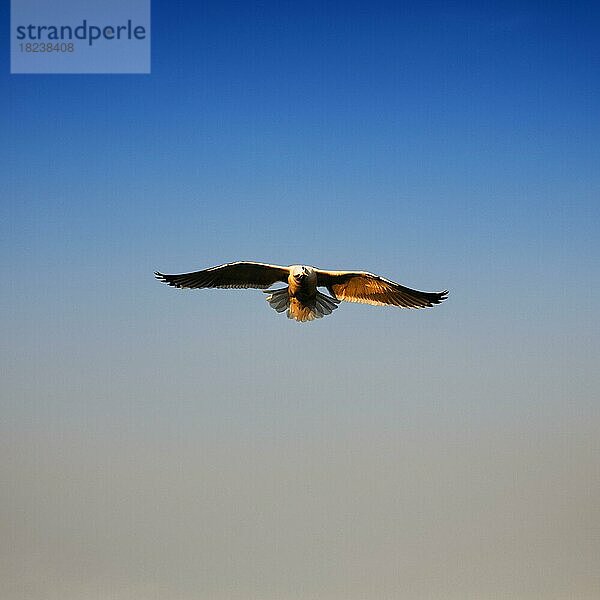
(231, 275)
(368, 288)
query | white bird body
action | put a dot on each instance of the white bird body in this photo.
(304, 301)
(301, 298)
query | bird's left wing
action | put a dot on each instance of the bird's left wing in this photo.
(231, 275)
(368, 288)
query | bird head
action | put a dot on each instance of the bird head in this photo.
(301, 272)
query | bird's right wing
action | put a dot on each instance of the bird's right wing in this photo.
(231, 275)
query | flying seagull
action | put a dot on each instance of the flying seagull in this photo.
(301, 298)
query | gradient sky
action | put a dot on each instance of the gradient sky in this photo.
(157, 443)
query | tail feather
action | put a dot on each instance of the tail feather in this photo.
(322, 305)
(325, 304)
(278, 299)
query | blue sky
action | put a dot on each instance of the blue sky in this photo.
(443, 145)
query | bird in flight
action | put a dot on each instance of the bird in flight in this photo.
(301, 298)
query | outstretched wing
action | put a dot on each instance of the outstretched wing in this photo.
(231, 275)
(368, 288)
